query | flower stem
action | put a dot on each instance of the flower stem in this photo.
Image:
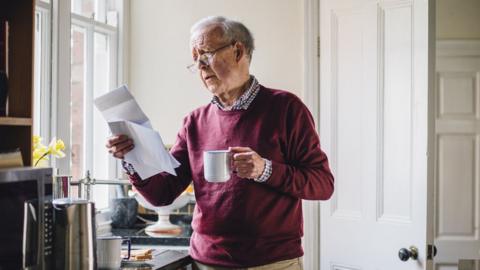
(38, 160)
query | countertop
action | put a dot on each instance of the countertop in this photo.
(469, 265)
(138, 235)
(171, 250)
(162, 260)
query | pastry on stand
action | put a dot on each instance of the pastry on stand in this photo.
(163, 226)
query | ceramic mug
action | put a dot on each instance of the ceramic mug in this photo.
(109, 249)
(217, 165)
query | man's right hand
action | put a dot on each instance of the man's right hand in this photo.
(119, 145)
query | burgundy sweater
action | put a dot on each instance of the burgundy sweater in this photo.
(243, 223)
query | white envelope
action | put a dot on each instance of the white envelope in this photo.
(124, 116)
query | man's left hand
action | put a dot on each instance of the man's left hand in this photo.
(247, 163)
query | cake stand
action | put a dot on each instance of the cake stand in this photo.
(163, 224)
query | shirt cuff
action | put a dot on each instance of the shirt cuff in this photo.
(267, 172)
(130, 171)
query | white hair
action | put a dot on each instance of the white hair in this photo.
(232, 31)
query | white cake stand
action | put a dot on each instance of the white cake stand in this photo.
(163, 224)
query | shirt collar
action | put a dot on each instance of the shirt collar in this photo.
(244, 101)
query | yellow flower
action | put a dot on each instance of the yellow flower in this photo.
(41, 152)
(55, 148)
(36, 141)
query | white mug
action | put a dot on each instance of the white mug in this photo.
(109, 251)
(217, 165)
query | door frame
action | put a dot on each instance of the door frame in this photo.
(311, 209)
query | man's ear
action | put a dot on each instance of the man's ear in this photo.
(239, 51)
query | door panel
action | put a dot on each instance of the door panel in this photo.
(375, 128)
(458, 147)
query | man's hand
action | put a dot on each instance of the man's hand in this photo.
(119, 145)
(247, 163)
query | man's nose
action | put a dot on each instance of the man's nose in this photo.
(202, 64)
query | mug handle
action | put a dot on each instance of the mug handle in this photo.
(129, 248)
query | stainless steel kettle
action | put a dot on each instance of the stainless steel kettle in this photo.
(75, 239)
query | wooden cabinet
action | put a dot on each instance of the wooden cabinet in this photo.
(16, 127)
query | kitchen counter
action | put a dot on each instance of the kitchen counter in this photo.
(162, 260)
(469, 265)
(138, 235)
(170, 250)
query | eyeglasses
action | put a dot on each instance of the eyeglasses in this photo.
(206, 58)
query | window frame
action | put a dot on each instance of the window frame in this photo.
(59, 85)
(91, 27)
(42, 123)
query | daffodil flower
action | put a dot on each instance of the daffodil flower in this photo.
(41, 152)
(55, 148)
(36, 141)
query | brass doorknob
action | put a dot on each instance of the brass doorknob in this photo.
(410, 253)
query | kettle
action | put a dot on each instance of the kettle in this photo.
(74, 245)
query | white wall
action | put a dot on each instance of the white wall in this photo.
(458, 19)
(159, 52)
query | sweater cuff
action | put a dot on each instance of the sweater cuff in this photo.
(267, 172)
(279, 171)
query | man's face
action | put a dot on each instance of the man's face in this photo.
(221, 74)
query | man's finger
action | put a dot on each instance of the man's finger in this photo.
(118, 155)
(243, 156)
(122, 146)
(239, 149)
(116, 139)
(243, 164)
(126, 150)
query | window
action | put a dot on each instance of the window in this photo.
(41, 125)
(94, 70)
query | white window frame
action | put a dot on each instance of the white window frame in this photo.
(91, 26)
(44, 101)
(62, 21)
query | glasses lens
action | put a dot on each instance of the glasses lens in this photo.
(193, 68)
(203, 59)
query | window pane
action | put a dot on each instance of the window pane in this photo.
(42, 69)
(78, 72)
(112, 12)
(101, 85)
(105, 11)
(83, 7)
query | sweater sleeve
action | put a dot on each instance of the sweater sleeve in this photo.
(305, 173)
(163, 188)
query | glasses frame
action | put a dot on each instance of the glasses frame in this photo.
(206, 58)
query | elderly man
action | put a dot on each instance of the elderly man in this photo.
(254, 220)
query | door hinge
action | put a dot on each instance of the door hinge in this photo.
(431, 252)
(318, 47)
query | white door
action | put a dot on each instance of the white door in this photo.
(458, 147)
(376, 127)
